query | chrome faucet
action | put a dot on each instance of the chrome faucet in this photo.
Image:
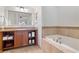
(59, 40)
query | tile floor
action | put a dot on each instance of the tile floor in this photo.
(29, 49)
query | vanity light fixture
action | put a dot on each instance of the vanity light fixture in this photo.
(22, 9)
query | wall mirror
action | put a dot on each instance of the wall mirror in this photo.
(19, 18)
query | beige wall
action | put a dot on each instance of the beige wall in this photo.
(67, 31)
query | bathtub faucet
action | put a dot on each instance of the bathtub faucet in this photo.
(59, 40)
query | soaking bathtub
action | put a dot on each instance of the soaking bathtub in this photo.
(63, 43)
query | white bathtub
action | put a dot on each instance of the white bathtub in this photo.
(63, 43)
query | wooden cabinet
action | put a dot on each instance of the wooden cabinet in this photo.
(21, 38)
(0, 41)
(25, 38)
(17, 38)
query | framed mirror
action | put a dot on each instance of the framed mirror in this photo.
(19, 18)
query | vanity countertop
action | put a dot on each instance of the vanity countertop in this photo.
(17, 29)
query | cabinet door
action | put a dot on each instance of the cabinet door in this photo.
(0, 40)
(25, 38)
(18, 38)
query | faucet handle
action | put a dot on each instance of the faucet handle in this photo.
(60, 42)
(59, 38)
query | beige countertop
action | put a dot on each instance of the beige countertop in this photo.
(17, 29)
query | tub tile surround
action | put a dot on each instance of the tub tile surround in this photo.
(49, 30)
(69, 31)
(49, 48)
(66, 31)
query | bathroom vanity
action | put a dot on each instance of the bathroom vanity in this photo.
(19, 26)
(15, 38)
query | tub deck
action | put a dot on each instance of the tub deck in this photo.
(52, 44)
